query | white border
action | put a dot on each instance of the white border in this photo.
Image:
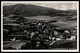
(40, 2)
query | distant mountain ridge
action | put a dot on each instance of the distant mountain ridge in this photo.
(33, 10)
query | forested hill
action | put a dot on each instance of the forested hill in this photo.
(33, 10)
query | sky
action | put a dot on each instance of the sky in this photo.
(60, 6)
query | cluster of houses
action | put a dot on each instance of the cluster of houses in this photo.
(20, 29)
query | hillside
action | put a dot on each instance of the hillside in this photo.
(33, 10)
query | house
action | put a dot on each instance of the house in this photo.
(32, 34)
(58, 39)
(55, 32)
(71, 38)
(66, 31)
(13, 39)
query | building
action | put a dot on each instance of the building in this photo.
(71, 38)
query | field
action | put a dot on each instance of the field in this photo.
(60, 44)
(14, 44)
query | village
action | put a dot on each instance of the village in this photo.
(36, 34)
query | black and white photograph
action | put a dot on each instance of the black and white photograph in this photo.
(40, 26)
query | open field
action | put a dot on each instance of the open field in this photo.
(14, 44)
(57, 44)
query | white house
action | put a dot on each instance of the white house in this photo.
(72, 38)
(13, 39)
(32, 34)
(55, 33)
(66, 31)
